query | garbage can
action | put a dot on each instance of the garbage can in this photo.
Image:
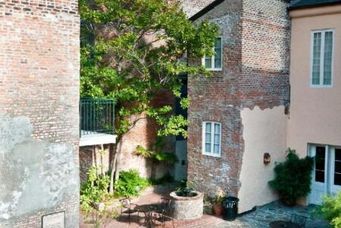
(230, 205)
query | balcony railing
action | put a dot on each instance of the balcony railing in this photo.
(97, 116)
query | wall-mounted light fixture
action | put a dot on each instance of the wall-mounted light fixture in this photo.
(266, 158)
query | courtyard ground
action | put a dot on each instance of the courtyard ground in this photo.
(260, 218)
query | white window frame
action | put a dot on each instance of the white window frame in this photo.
(322, 31)
(213, 68)
(212, 154)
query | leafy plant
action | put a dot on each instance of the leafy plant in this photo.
(94, 190)
(331, 210)
(292, 178)
(156, 155)
(185, 189)
(130, 183)
(167, 178)
(130, 51)
(219, 197)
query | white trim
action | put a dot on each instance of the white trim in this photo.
(322, 31)
(328, 186)
(213, 68)
(212, 154)
(97, 139)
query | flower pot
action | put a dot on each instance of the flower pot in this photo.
(218, 209)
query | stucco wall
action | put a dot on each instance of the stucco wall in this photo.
(39, 120)
(264, 131)
(314, 112)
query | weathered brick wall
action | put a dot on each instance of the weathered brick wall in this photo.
(264, 80)
(215, 99)
(144, 134)
(255, 73)
(39, 130)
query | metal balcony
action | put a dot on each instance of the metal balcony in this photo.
(97, 121)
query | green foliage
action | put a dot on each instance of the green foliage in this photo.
(292, 178)
(94, 190)
(130, 51)
(130, 183)
(185, 192)
(167, 178)
(331, 210)
(156, 153)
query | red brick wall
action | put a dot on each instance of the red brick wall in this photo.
(255, 73)
(39, 80)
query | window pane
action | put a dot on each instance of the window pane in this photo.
(337, 172)
(208, 128)
(208, 62)
(208, 138)
(216, 128)
(217, 51)
(319, 176)
(217, 133)
(316, 59)
(338, 167)
(320, 164)
(337, 179)
(216, 149)
(207, 147)
(328, 53)
(338, 154)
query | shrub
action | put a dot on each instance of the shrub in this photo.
(130, 183)
(292, 178)
(94, 190)
(331, 210)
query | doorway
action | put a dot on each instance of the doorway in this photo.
(326, 177)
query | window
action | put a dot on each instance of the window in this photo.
(214, 62)
(322, 58)
(211, 132)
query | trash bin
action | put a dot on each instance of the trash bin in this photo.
(230, 205)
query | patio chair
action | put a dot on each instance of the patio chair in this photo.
(166, 211)
(127, 207)
(298, 219)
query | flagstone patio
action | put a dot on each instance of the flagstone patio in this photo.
(259, 218)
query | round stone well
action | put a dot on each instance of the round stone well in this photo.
(187, 207)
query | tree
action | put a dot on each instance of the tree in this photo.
(131, 50)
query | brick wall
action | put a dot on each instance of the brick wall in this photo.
(255, 73)
(214, 99)
(39, 80)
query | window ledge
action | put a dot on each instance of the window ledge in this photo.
(212, 155)
(321, 86)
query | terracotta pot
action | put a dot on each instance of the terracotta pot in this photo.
(218, 209)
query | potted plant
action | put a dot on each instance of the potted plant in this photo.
(292, 178)
(187, 203)
(217, 203)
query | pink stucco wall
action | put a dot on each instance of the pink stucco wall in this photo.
(315, 113)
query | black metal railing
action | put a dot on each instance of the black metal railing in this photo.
(97, 116)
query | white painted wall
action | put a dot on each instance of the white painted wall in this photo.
(264, 131)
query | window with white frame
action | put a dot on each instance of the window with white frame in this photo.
(211, 135)
(214, 62)
(322, 58)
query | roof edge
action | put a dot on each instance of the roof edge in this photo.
(314, 6)
(206, 9)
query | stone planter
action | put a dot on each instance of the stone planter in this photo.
(187, 207)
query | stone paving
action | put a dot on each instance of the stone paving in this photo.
(259, 218)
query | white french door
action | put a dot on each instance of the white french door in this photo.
(335, 185)
(326, 177)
